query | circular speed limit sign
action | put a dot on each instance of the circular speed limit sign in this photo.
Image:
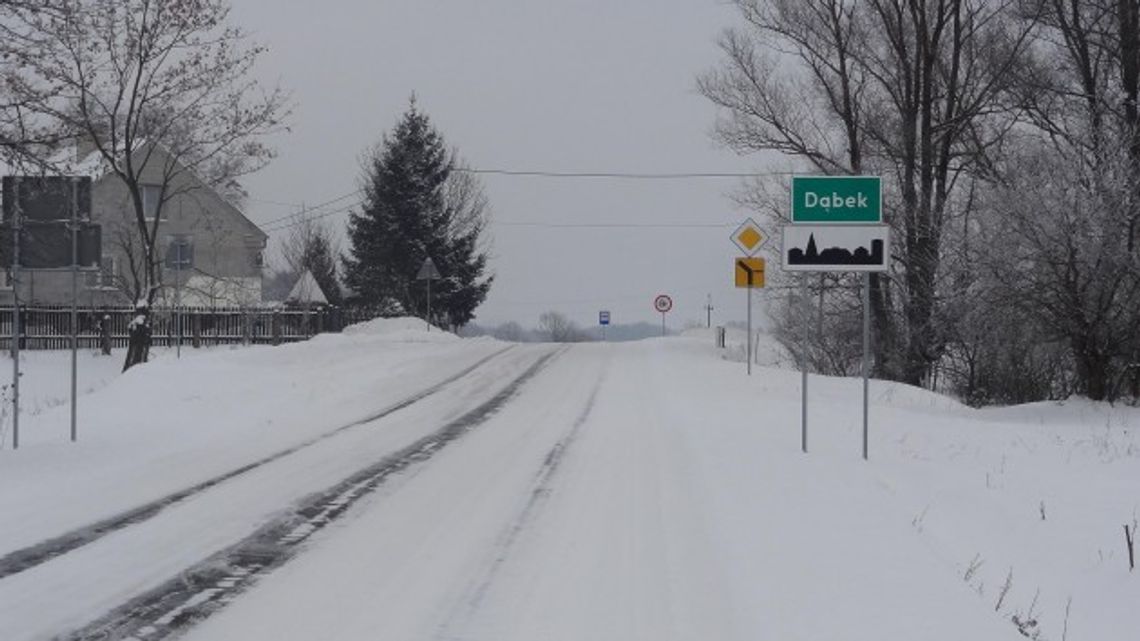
(663, 303)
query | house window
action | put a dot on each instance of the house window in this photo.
(179, 251)
(6, 279)
(104, 278)
(151, 195)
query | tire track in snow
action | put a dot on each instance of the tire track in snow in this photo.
(211, 584)
(541, 489)
(33, 555)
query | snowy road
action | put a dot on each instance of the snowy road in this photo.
(68, 591)
(588, 508)
(645, 491)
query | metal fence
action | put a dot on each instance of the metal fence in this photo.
(49, 327)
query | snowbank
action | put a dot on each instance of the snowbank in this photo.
(171, 422)
(405, 329)
(648, 490)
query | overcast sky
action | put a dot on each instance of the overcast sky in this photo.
(568, 86)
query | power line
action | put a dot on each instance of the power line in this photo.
(621, 175)
(269, 229)
(538, 224)
(510, 223)
(274, 202)
(298, 218)
(316, 207)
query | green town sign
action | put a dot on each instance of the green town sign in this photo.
(837, 199)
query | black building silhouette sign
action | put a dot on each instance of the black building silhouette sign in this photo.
(836, 248)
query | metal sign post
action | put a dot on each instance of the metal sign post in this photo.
(74, 302)
(179, 256)
(837, 226)
(604, 320)
(51, 208)
(16, 316)
(866, 353)
(429, 273)
(178, 302)
(749, 272)
(804, 370)
(663, 303)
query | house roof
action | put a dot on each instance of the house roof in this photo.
(93, 165)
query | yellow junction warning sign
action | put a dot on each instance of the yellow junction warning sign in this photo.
(746, 267)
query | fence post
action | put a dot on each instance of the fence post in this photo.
(105, 334)
(275, 327)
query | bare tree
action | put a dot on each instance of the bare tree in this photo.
(1058, 248)
(1056, 291)
(1065, 222)
(510, 331)
(910, 89)
(557, 328)
(24, 133)
(160, 89)
(463, 195)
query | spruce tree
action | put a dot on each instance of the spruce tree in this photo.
(318, 259)
(409, 213)
(311, 247)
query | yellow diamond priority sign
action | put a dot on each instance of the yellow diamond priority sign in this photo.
(749, 237)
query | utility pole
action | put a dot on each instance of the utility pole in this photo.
(178, 298)
(16, 315)
(708, 311)
(74, 301)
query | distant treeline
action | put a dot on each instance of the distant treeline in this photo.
(557, 328)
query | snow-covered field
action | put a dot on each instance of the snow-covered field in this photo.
(637, 491)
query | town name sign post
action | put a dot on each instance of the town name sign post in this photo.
(837, 227)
